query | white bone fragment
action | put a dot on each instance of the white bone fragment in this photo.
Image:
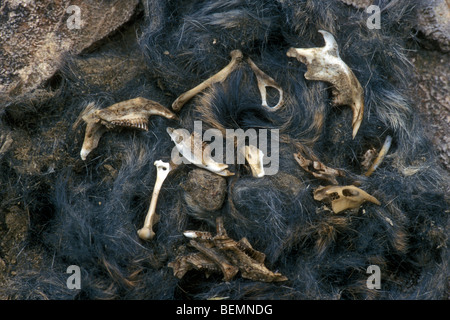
(196, 153)
(190, 234)
(325, 64)
(146, 232)
(383, 152)
(255, 157)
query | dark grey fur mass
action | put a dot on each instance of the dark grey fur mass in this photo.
(86, 213)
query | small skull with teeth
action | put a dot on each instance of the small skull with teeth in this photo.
(343, 197)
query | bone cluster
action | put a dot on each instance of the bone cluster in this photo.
(323, 64)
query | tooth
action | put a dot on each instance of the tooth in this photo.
(190, 234)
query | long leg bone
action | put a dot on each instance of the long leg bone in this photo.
(326, 65)
(236, 58)
(266, 81)
(132, 113)
(163, 169)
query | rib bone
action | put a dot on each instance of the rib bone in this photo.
(132, 113)
(236, 58)
(326, 65)
(163, 169)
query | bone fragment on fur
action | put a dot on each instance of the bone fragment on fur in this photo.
(255, 157)
(325, 64)
(197, 261)
(227, 255)
(196, 153)
(368, 158)
(228, 270)
(263, 80)
(132, 113)
(318, 169)
(266, 81)
(236, 58)
(343, 197)
(384, 150)
(162, 170)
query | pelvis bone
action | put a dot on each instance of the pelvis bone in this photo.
(325, 64)
(237, 57)
(132, 113)
(343, 197)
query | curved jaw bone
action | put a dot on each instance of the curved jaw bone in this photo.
(237, 57)
(325, 64)
(318, 169)
(162, 169)
(132, 113)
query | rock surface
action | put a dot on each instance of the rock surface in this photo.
(433, 98)
(36, 35)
